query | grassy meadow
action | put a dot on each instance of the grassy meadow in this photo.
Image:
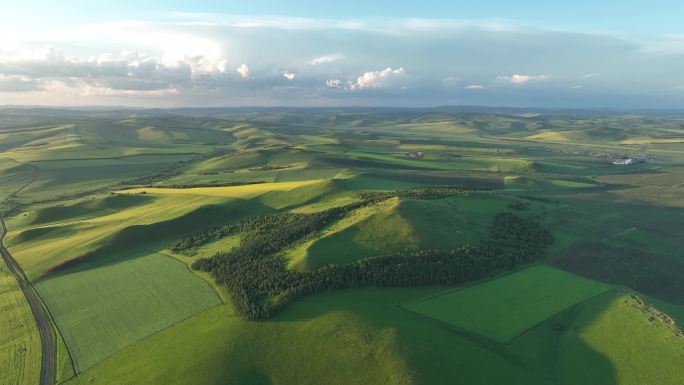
(95, 200)
(19, 339)
(504, 308)
(101, 311)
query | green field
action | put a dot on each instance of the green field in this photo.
(374, 341)
(504, 308)
(649, 356)
(19, 339)
(101, 234)
(369, 340)
(104, 310)
(615, 338)
(95, 202)
(400, 226)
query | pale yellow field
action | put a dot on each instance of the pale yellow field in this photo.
(149, 133)
(553, 136)
(652, 141)
(69, 239)
(462, 149)
(319, 139)
(426, 147)
(244, 192)
(443, 127)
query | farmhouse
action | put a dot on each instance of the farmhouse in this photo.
(622, 162)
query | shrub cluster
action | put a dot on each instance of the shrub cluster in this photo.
(431, 192)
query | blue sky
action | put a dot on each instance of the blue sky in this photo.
(402, 53)
(626, 15)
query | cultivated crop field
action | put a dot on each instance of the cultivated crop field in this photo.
(246, 191)
(504, 308)
(103, 310)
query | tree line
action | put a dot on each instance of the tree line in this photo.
(431, 192)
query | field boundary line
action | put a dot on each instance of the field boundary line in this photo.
(58, 331)
(191, 272)
(526, 331)
(478, 339)
(48, 347)
(470, 284)
(132, 343)
(34, 301)
(482, 336)
(152, 334)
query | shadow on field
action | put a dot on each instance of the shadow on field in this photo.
(252, 377)
(652, 274)
(557, 350)
(136, 240)
(551, 354)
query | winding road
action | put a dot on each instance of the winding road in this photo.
(47, 338)
(47, 367)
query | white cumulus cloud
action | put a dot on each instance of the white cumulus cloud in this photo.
(474, 87)
(289, 75)
(333, 83)
(522, 79)
(326, 59)
(377, 79)
(244, 71)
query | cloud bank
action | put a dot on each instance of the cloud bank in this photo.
(203, 60)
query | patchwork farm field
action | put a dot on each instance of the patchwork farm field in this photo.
(103, 310)
(344, 246)
(504, 308)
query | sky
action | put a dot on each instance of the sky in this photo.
(525, 53)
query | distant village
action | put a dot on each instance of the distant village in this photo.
(615, 159)
(626, 160)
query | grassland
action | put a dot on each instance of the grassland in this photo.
(374, 341)
(504, 308)
(613, 339)
(650, 356)
(103, 310)
(244, 192)
(91, 242)
(19, 339)
(369, 340)
(400, 225)
(45, 246)
(300, 256)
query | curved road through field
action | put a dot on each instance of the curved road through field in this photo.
(47, 365)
